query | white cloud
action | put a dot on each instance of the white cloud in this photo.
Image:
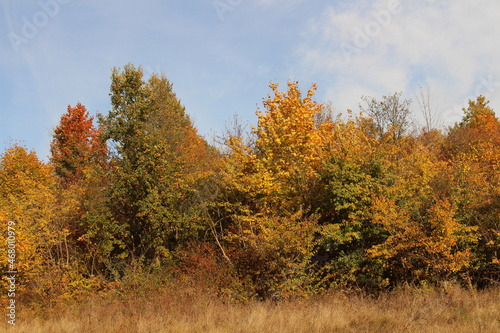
(364, 49)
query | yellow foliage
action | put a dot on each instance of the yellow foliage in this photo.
(270, 179)
(289, 149)
(431, 249)
(28, 198)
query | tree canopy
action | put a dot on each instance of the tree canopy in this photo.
(308, 201)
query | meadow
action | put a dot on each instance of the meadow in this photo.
(174, 310)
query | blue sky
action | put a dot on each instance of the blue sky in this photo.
(221, 55)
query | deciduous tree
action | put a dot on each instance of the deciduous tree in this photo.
(28, 197)
(76, 144)
(390, 115)
(158, 160)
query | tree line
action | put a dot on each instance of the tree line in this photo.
(305, 202)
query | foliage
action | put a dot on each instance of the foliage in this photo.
(473, 149)
(28, 198)
(270, 229)
(76, 144)
(308, 202)
(158, 165)
(80, 160)
(353, 174)
(433, 250)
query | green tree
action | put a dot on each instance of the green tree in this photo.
(158, 160)
(354, 173)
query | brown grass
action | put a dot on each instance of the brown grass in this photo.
(455, 311)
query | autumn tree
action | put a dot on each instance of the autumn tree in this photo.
(473, 149)
(288, 149)
(269, 182)
(28, 197)
(478, 133)
(79, 156)
(385, 216)
(353, 174)
(433, 248)
(158, 162)
(76, 144)
(390, 115)
(425, 238)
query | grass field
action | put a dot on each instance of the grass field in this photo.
(455, 310)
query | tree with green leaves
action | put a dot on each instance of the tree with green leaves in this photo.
(157, 161)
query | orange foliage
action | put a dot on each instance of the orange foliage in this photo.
(76, 144)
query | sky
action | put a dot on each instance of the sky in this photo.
(221, 56)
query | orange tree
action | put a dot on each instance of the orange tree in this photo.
(386, 213)
(426, 209)
(473, 149)
(76, 144)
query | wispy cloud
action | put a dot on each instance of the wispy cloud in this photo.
(223, 67)
(451, 45)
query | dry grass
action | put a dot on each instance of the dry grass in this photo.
(401, 311)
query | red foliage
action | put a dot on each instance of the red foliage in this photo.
(76, 144)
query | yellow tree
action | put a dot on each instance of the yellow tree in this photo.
(28, 198)
(267, 183)
(289, 148)
(432, 248)
(425, 237)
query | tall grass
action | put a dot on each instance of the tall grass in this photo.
(403, 310)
